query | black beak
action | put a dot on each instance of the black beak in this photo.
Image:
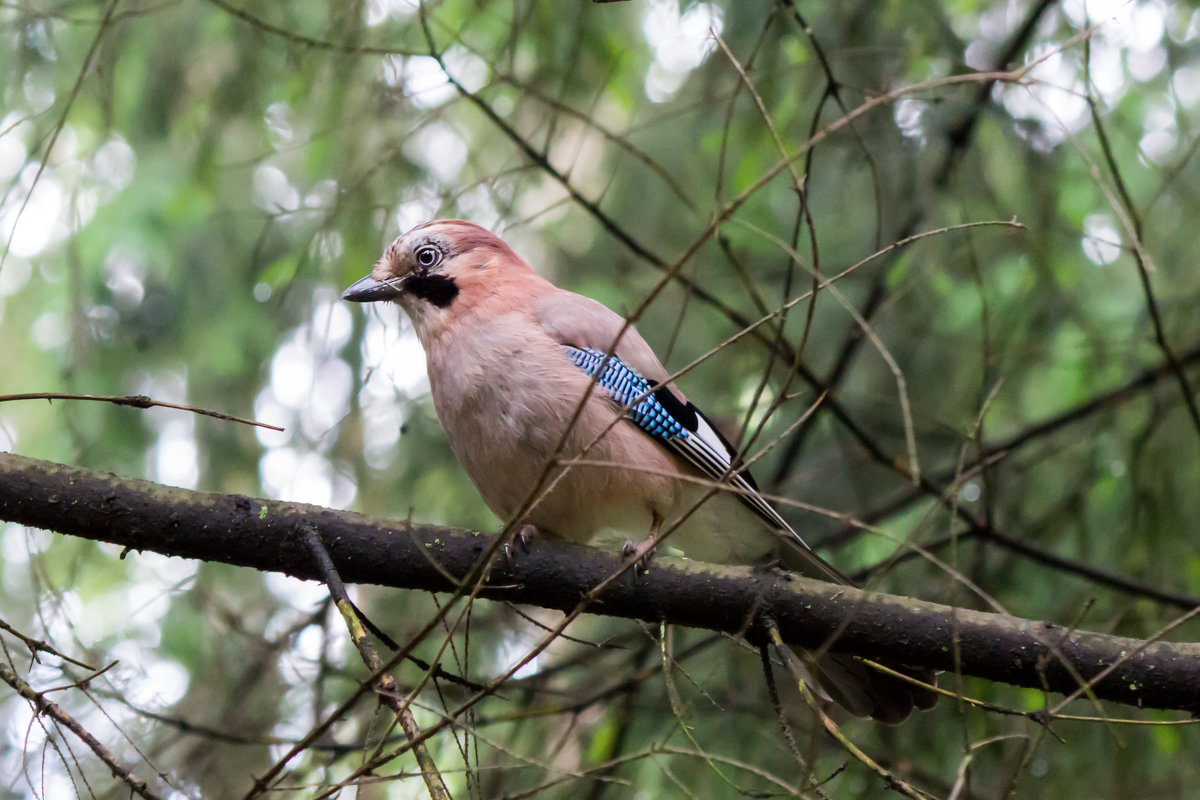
(369, 290)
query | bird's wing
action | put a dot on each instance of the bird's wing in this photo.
(634, 379)
(573, 319)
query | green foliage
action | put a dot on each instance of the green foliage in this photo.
(209, 181)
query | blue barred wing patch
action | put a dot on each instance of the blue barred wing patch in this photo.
(629, 389)
(691, 437)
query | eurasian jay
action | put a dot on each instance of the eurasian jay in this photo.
(511, 358)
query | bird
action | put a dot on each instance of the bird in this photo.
(527, 378)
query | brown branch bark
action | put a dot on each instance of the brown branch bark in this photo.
(244, 531)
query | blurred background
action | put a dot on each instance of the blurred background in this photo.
(188, 186)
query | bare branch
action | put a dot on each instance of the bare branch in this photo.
(239, 530)
(136, 401)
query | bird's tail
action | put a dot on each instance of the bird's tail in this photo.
(861, 690)
(867, 692)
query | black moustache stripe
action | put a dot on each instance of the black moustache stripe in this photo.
(439, 290)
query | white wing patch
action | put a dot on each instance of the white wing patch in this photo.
(712, 455)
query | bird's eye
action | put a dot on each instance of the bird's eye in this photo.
(428, 256)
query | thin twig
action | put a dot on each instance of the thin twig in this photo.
(38, 646)
(54, 711)
(1133, 223)
(135, 401)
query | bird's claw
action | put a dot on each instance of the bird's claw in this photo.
(640, 552)
(521, 537)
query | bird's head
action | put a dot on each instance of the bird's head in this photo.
(440, 271)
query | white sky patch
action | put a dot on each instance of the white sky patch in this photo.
(467, 68)
(36, 540)
(169, 679)
(1137, 25)
(297, 594)
(308, 377)
(145, 678)
(102, 321)
(166, 572)
(513, 648)
(13, 547)
(681, 40)
(310, 642)
(292, 372)
(14, 276)
(662, 83)
(277, 470)
(66, 146)
(41, 34)
(331, 321)
(285, 127)
(42, 222)
(1101, 242)
(907, 113)
(1157, 145)
(50, 331)
(1055, 98)
(327, 246)
(304, 477)
(39, 91)
(377, 12)
(83, 204)
(168, 384)
(1186, 83)
(105, 614)
(12, 145)
(395, 374)
(439, 149)
(394, 355)
(1108, 71)
(1145, 66)
(174, 456)
(147, 604)
(1161, 133)
(267, 408)
(329, 401)
(323, 194)
(126, 270)
(62, 620)
(420, 78)
(412, 213)
(272, 192)
(423, 82)
(476, 204)
(382, 419)
(113, 165)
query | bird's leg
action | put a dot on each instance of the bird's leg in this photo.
(643, 551)
(773, 566)
(521, 537)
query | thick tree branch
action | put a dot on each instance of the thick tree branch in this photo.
(256, 533)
